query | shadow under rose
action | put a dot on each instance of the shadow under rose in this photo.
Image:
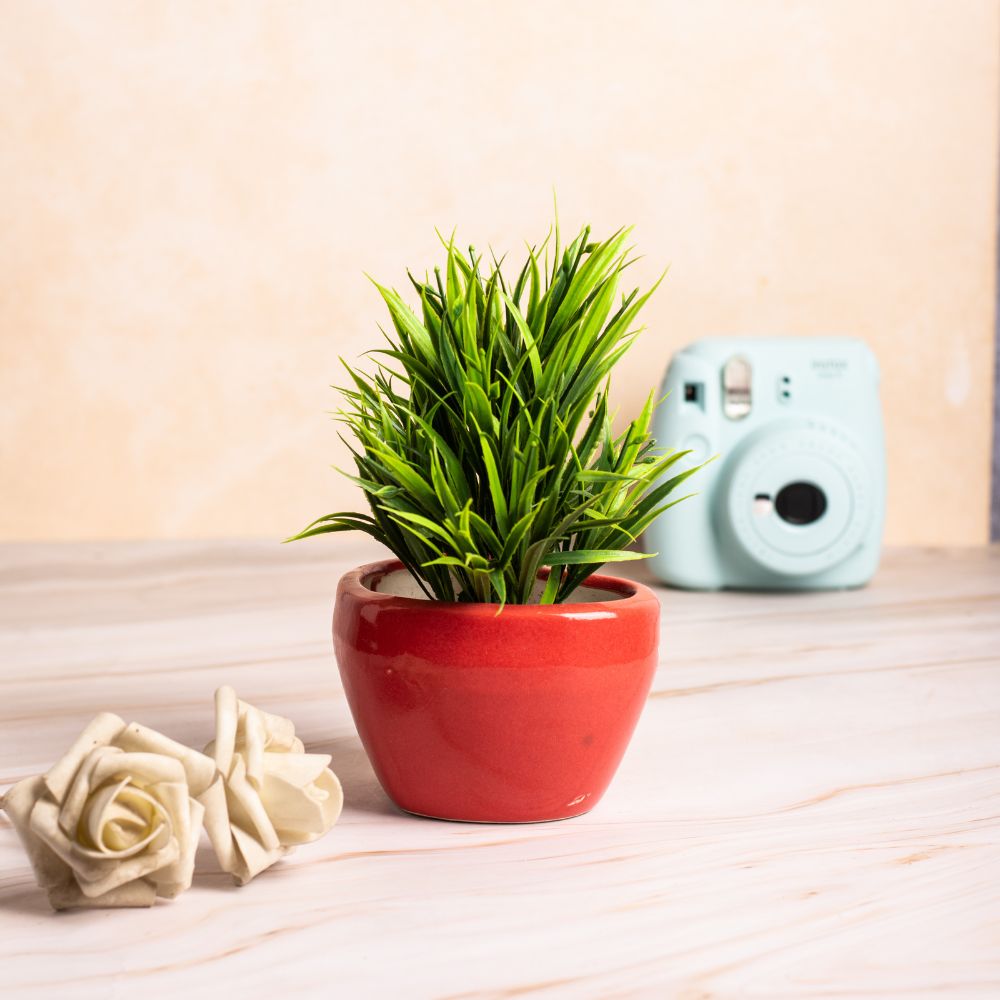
(27, 902)
(362, 792)
(207, 873)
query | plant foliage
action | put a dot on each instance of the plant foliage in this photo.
(486, 450)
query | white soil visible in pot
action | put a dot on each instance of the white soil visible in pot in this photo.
(401, 584)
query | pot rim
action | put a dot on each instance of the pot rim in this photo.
(630, 594)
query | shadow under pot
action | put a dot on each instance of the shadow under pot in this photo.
(516, 717)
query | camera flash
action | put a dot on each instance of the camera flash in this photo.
(736, 388)
(762, 505)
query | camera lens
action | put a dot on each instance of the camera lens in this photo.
(800, 503)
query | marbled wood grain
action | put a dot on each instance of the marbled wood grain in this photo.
(810, 807)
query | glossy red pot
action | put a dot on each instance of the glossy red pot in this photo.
(511, 718)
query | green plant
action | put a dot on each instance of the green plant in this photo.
(486, 446)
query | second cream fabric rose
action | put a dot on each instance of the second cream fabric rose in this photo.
(268, 794)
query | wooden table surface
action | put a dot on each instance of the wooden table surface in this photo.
(810, 806)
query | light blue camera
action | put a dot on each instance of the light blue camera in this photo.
(796, 498)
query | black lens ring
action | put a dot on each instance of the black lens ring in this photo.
(800, 503)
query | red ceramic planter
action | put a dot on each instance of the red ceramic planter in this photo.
(512, 718)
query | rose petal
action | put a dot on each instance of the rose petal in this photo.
(199, 768)
(296, 768)
(174, 879)
(71, 809)
(50, 870)
(99, 732)
(123, 872)
(246, 811)
(303, 813)
(156, 822)
(251, 747)
(253, 857)
(94, 875)
(226, 720)
(143, 768)
(217, 825)
(70, 896)
(175, 799)
(279, 731)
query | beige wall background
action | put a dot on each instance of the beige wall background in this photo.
(190, 192)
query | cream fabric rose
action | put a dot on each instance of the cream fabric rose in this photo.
(269, 795)
(115, 822)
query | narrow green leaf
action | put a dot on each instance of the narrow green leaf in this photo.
(574, 556)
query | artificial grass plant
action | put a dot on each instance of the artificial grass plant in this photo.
(485, 447)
